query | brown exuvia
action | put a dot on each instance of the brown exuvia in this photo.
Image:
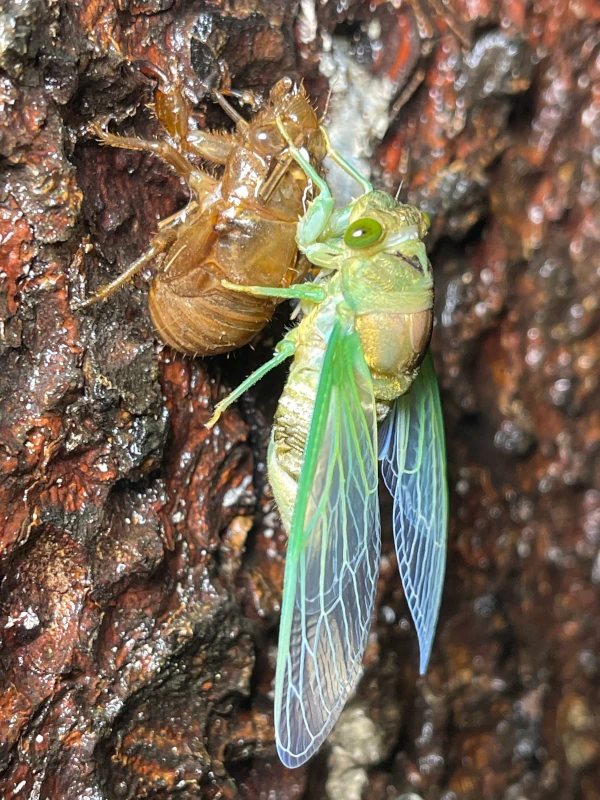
(240, 227)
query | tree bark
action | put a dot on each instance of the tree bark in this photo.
(142, 562)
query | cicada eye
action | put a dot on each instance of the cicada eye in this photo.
(363, 233)
(267, 140)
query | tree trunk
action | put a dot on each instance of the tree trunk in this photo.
(142, 561)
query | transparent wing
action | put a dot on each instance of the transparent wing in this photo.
(332, 558)
(412, 451)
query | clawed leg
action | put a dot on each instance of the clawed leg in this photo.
(163, 149)
(274, 179)
(277, 174)
(158, 245)
(214, 147)
(217, 147)
(316, 219)
(321, 223)
(417, 248)
(304, 291)
(174, 111)
(285, 349)
(333, 154)
(198, 181)
(247, 97)
(161, 241)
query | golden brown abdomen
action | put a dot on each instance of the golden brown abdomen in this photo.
(288, 441)
(214, 322)
(190, 308)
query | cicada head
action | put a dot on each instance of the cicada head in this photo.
(386, 279)
(378, 223)
(291, 105)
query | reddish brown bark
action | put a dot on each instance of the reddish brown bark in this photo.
(142, 562)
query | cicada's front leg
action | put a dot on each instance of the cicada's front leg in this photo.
(313, 233)
(417, 248)
(319, 212)
(162, 149)
(321, 228)
(303, 292)
(339, 159)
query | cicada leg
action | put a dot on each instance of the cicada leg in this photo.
(285, 349)
(339, 159)
(214, 147)
(275, 178)
(159, 243)
(316, 219)
(301, 159)
(174, 111)
(170, 104)
(197, 180)
(230, 110)
(217, 147)
(252, 99)
(417, 248)
(305, 291)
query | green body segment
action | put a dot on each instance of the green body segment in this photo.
(387, 298)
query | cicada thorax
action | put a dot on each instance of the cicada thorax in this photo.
(394, 333)
(392, 296)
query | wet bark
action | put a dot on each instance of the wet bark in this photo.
(142, 562)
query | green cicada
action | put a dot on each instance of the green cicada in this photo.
(357, 391)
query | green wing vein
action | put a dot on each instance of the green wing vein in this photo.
(333, 556)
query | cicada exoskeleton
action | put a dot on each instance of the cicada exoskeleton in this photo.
(239, 226)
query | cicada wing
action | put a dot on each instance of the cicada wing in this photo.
(332, 558)
(412, 451)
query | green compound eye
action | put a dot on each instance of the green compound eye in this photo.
(363, 233)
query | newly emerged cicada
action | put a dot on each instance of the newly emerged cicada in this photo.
(360, 388)
(240, 227)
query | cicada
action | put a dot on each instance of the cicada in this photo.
(240, 226)
(360, 389)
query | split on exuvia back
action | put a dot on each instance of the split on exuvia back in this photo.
(361, 388)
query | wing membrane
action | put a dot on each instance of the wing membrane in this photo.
(413, 463)
(333, 556)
